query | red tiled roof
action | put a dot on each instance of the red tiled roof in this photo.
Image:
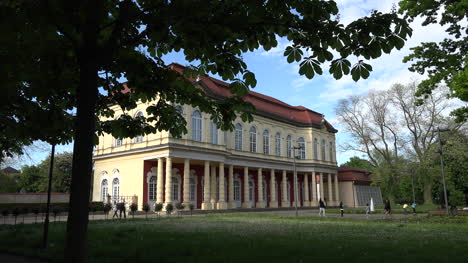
(265, 105)
(346, 173)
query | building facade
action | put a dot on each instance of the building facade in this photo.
(251, 166)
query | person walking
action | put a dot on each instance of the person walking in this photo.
(367, 210)
(122, 208)
(341, 209)
(413, 206)
(321, 208)
(387, 208)
(405, 208)
(114, 208)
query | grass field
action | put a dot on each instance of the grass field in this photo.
(254, 237)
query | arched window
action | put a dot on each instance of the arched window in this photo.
(193, 189)
(315, 149)
(152, 188)
(278, 144)
(301, 144)
(266, 142)
(139, 138)
(253, 139)
(104, 190)
(115, 189)
(196, 126)
(175, 188)
(289, 146)
(331, 151)
(238, 137)
(118, 142)
(213, 133)
(324, 154)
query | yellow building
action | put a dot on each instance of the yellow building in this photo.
(251, 166)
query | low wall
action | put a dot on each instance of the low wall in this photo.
(29, 198)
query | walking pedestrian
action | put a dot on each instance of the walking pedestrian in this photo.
(114, 208)
(321, 208)
(367, 210)
(341, 209)
(387, 208)
(122, 209)
(413, 206)
(405, 208)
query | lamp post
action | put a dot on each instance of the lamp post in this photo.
(442, 168)
(296, 192)
(49, 186)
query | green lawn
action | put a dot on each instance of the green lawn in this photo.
(254, 237)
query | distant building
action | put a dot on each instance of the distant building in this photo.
(355, 188)
(9, 171)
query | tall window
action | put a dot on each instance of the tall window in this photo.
(266, 142)
(213, 133)
(115, 189)
(196, 126)
(152, 188)
(301, 144)
(289, 146)
(324, 154)
(104, 190)
(118, 142)
(278, 144)
(315, 149)
(331, 151)
(264, 190)
(237, 190)
(175, 189)
(139, 138)
(193, 189)
(253, 139)
(179, 109)
(238, 137)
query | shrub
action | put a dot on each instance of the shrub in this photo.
(180, 206)
(35, 211)
(191, 207)
(5, 213)
(158, 207)
(169, 208)
(146, 208)
(133, 208)
(16, 212)
(56, 212)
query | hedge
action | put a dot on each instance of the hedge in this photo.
(62, 207)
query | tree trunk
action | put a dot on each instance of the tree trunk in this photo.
(427, 193)
(87, 92)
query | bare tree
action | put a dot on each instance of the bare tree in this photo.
(388, 124)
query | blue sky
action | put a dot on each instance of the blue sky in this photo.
(277, 78)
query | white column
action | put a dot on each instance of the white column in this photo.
(285, 202)
(160, 182)
(306, 190)
(168, 199)
(261, 202)
(313, 200)
(337, 190)
(186, 192)
(246, 203)
(273, 201)
(206, 205)
(321, 186)
(222, 200)
(214, 187)
(231, 187)
(330, 191)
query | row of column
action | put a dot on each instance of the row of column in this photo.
(210, 202)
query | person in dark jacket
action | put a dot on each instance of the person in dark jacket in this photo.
(341, 209)
(387, 208)
(321, 208)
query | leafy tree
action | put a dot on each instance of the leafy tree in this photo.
(444, 62)
(8, 184)
(56, 54)
(30, 179)
(357, 162)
